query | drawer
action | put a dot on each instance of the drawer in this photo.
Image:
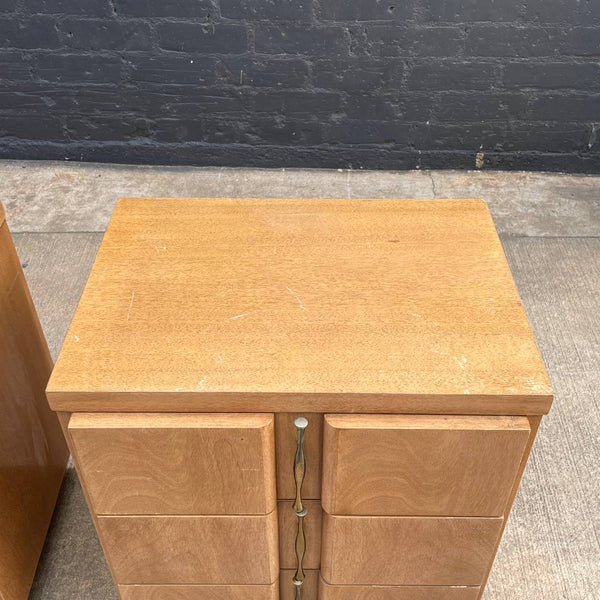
(285, 436)
(386, 592)
(287, 590)
(200, 592)
(421, 465)
(408, 550)
(239, 550)
(288, 527)
(176, 463)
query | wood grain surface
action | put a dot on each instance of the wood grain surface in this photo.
(558, 281)
(33, 452)
(64, 419)
(200, 592)
(228, 550)
(426, 551)
(534, 423)
(310, 587)
(176, 463)
(292, 305)
(285, 448)
(288, 527)
(384, 592)
(421, 465)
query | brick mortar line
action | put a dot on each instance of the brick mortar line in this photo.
(523, 87)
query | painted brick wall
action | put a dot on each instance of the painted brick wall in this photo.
(332, 83)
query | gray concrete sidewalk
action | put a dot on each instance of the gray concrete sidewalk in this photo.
(550, 228)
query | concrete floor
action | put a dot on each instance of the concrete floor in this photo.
(550, 228)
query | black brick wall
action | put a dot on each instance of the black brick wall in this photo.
(332, 83)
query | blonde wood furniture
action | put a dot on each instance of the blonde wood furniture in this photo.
(33, 453)
(147, 464)
(299, 398)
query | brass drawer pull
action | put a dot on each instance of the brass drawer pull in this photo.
(301, 424)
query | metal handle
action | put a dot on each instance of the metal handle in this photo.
(300, 549)
(301, 424)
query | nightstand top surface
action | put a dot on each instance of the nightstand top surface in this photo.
(294, 305)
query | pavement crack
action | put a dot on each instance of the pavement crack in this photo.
(433, 186)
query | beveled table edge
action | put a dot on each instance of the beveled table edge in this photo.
(285, 402)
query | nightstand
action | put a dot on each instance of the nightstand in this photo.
(289, 398)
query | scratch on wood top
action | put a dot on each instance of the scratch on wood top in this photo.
(130, 304)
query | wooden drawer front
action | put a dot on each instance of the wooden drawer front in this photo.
(208, 550)
(288, 528)
(421, 465)
(285, 435)
(200, 592)
(176, 463)
(384, 592)
(407, 550)
(287, 589)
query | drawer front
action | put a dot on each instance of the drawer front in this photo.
(241, 550)
(140, 464)
(287, 589)
(383, 592)
(288, 528)
(421, 465)
(200, 592)
(407, 550)
(285, 435)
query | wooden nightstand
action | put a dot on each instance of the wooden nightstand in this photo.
(33, 453)
(375, 349)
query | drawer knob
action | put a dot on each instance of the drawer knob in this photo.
(301, 424)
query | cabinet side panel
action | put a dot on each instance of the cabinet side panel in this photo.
(33, 452)
(534, 422)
